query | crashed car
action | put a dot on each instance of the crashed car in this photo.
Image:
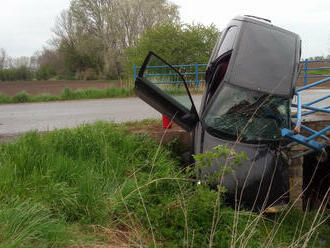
(250, 81)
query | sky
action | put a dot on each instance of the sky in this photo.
(25, 25)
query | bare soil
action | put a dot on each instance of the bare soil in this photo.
(52, 87)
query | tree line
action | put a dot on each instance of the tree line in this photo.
(102, 39)
(319, 58)
(13, 69)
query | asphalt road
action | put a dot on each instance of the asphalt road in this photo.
(20, 118)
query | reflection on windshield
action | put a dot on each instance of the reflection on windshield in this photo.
(252, 115)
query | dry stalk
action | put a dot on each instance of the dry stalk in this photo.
(146, 212)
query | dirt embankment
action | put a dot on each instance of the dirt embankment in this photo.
(52, 87)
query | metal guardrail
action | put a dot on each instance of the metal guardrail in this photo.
(195, 74)
(305, 63)
(198, 79)
(310, 141)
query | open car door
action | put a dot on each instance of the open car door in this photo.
(163, 87)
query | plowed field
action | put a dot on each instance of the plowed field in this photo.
(51, 87)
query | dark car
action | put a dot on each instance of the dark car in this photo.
(250, 81)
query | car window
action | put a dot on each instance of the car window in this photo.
(229, 41)
(252, 115)
(215, 75)
(225, 43)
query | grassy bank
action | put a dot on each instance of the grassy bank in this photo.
(91, 93)
(68, 94)
(319, 72)
(97, 185)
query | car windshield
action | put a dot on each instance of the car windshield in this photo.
(251, 115)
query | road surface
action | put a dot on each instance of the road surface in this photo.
(20, 118)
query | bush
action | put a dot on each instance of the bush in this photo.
(45, 72)
(4, 99)
(21, 97)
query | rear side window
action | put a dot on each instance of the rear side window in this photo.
(225, 43)
(229, 41)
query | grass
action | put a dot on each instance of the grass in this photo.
(68, 94)
(317, 72)
(91, 93)
(97, 185)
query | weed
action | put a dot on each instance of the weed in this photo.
(29, 224)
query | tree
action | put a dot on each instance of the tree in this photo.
(12, 69)
(94, 33)
(3, 57)
(177, 44)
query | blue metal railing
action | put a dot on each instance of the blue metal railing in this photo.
(310, 141)
(305, 64)
(196, 76)
(305, 68)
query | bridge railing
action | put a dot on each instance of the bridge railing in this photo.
(193, 74)
(308, 71)
(312, 141)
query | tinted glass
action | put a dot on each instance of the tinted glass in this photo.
(168, 80)
(251, 115)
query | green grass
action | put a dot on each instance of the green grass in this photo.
(317, 72)
(68, 94)
(90, 93)
(96, 184)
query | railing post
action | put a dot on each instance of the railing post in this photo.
(197, 79)
(134, 69)
(306, 70)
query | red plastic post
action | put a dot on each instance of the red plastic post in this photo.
(166, 122)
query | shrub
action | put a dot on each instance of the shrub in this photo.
(21, 97)
(45, 72)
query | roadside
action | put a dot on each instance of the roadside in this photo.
(133, 127)
(70, 90)
(55, 87)
(20, 118)
(47, 91)
(97, 186)
(67, 94)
